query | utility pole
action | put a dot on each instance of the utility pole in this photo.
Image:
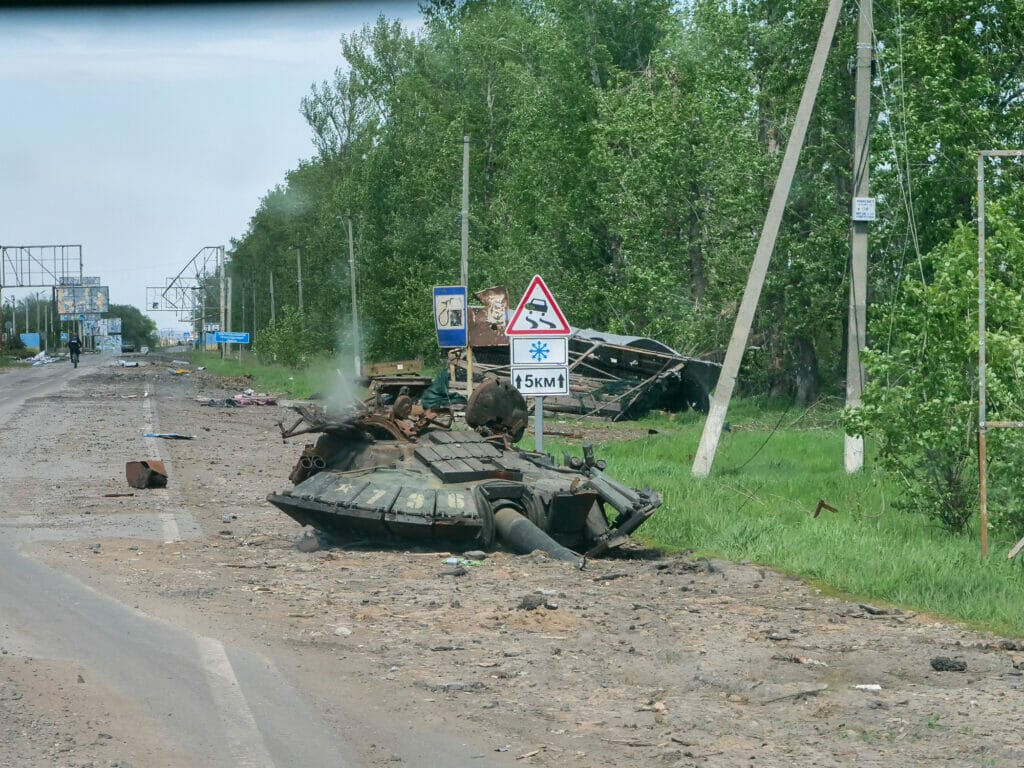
(298, 266)
(357, 351)
(755, 280)
(223, 287)
(227, 346)
(856, 330)
(273, 315)
(464, 273)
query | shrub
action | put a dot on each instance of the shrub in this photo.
(292, 340)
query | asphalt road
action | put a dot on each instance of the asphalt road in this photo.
(225, 705)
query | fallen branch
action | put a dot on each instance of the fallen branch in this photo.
(797, 694)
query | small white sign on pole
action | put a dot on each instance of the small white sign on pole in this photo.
(528, 350)
(863, 209)
(538, 381)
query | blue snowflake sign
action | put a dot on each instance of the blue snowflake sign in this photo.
(528, 350)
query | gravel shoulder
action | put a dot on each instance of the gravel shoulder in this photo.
(638, 659)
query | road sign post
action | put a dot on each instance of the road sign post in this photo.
(538, 334)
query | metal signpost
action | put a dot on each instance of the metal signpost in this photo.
(538, 334)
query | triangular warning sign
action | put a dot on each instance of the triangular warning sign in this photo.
(538, 314)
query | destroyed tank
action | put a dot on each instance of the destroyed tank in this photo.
(396, 468)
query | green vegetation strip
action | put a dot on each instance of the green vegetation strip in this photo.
(759, 506)
(772, 468)
(318, 377)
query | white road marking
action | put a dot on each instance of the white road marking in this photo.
(246, 744)
(169, 526)
(168, 522)
(147, 426)
(245, 741)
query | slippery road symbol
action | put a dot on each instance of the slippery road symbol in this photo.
(538, 313)
(540, 306)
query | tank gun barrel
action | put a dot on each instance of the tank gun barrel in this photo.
(519, 534)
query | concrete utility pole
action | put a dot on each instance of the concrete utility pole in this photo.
(222, 284)
(856, 330)
(223, 290)
(298, 267)
(273, 314)
(755, 280)
(464, 274)
(227, 327)
(357, 351)
(465, 254)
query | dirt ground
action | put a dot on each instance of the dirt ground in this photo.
(642, 659)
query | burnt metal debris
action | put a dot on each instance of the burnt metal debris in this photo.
(393, 468)
(611, 376)
(146, 474)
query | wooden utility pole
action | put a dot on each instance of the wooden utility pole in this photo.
(357, 351)
(755, 280)
(856, 328)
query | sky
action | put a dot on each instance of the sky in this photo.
(145, 134)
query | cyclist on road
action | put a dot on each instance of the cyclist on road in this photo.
(75, 348)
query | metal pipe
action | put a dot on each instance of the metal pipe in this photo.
(982, 469)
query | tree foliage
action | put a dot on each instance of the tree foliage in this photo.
(136, 328)
(627, 151)
(921, 401)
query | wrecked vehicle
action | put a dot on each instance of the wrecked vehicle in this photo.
(611, 376)
(401, 471)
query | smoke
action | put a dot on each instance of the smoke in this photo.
(344, 392)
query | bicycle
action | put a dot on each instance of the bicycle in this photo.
(74, 359)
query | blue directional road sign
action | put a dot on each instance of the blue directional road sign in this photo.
(450, 315)
(230, 337)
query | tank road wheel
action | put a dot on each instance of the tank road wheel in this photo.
(499, 408)
(487, 535)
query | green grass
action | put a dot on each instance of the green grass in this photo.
(320, 376)
(759, 504)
